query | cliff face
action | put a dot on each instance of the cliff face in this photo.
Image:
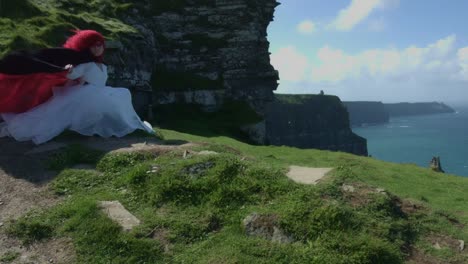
(312, 121)
(198, 52)
(376, 112)
(405, 109)
(366, 113)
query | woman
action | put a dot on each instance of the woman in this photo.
(88, 106)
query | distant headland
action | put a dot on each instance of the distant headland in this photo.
(367, 112)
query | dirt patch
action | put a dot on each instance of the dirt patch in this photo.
(18, 196)
(357, 194)
(452, 220)
(23, 180)
(119, 145)
(23, 187)
(58, 250)
(439, 241)
(411, 207)
(419, 257)
(162, 236)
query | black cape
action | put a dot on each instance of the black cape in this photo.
(43, 60)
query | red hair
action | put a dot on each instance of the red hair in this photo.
(84, 39)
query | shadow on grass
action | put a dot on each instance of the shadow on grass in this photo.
(25, 160)
(192, 119)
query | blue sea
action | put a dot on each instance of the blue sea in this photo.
(416, 139)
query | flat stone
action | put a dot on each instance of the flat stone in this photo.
(46, 147)
(380, 190)
(207, 152)
(347, 188)
(307, 175)
(115, 211)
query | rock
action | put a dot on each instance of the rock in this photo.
(265, 226)
(380, 190)
(185, 155)
(115, 211)
(306, 175)
(197, 169)
(201, 45)
(347, 188)
(435, 165)
(256, 132)
(154, 169)
(207, 152)
(280, 237)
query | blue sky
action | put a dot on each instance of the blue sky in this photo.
(381, 50)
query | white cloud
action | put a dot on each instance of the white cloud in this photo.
(358, 10)
(415, 62)
(306, 27)
(290, 63)
(437, 72)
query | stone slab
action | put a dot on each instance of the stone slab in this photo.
(115, 211)
(306, 175)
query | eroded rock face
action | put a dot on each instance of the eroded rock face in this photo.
(435, 165)
(312, 121)
(217, 45)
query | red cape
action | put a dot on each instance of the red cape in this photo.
(27, 78)
(20, 93)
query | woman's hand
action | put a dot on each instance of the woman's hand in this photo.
(68, 67)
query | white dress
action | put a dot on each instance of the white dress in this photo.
(91, 108)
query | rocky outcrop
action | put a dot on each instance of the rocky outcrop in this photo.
(215, 46)
(406, 109)
(363, 113)
(435, 165)
(312, 121)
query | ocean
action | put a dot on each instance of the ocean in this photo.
(416, 139)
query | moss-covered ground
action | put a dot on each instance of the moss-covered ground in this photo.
(192, 208)
(30, 24)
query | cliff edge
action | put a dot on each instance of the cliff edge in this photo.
(312, 121)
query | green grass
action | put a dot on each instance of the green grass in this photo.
(191, 119)
(46, 23)
(191, 209)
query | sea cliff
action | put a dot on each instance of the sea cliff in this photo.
(365, 113)
(312, 121)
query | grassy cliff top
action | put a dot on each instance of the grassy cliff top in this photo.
(192, 207)
(28, 24)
